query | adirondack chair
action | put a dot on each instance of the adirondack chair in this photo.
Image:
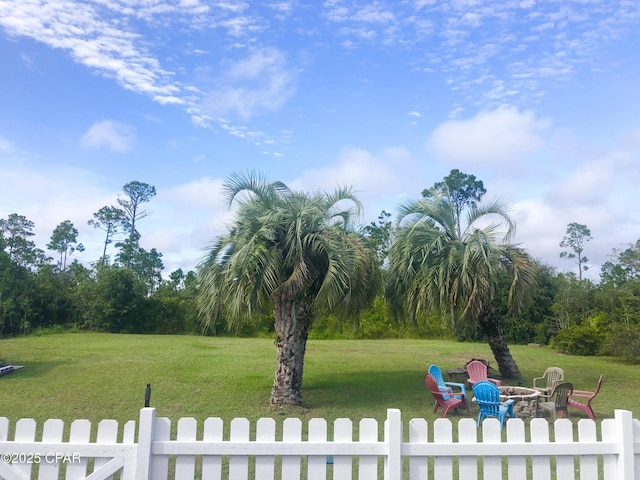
(582, 399)
(558, 406)
(453, 401)
(447, 387)
(487, 395)
(478, 371)
(548, 380)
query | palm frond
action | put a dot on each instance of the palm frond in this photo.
(284, 242)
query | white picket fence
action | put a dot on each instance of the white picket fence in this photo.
(520, 452)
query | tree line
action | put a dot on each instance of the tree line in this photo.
(467, 292)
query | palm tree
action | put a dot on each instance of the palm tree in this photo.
(431, 266)
(291, 251)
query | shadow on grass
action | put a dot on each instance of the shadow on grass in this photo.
(30, 370)
(363, 388)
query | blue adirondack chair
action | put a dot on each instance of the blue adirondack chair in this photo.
(487, 395)
(447, 387)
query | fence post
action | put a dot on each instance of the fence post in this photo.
(145, 442)
(393, 434)
(624, 431)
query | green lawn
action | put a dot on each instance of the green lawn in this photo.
(97, 376)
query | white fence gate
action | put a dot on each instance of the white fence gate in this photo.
(244, 452)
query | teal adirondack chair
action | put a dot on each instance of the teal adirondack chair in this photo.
(487, 395)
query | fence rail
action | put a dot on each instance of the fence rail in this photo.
(537, 450)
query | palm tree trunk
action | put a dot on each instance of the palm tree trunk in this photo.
(292, 323)
(492, 328)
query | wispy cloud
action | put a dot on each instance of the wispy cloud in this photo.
(261, 82)
(116, 136)
(494, 52)
(5, 146)
(92, 39)
(107, 37)
(481, 44)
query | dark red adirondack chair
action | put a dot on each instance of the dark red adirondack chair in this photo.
(581, 399)
(451, 402)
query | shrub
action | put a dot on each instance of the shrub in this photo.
(623, 341)
(578, 340)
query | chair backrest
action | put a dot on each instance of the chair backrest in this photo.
(595, 392)
(432, 384)
(561, 393)
(477, 371)
(487, 396)
(435, 371)
(554, 375)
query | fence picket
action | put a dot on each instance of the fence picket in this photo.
(239, 464)
(609, 462)
(517, 463)
(540, 464)
(588, 463)
(393, 439)
(468, 434)
(212, 464)
(291, 432)
(563, 429)
(107, 434)
(129, 438)
(186, 464)
(368, 464)
(418, 433)
(342, 464)
(265, 464)
(625, 442)
(160, 463)
(491, 434)
(51, 433)
(317, 464)
(443, 464)
(80, 433)
(25, 432)
(636, 436)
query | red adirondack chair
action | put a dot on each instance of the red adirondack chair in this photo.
(478, 371)
(581, 399)
(452, 401)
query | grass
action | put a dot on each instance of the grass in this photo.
(99, 376)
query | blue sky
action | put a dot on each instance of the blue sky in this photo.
(537, 98)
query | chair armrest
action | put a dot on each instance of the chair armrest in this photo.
(534, 381)
(458, 385)
(542, 389)
(581, 393)
(508, 402)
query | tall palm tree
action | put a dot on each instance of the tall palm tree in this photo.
(291, 251)
(431, 265)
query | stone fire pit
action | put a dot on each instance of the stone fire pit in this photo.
(525, 400)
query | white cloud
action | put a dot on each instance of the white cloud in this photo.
(91, 39)
(49, 196)
(377, 180)
(261, 82)
(201, 193)
(5, 146)
(595, 193)
(117, 136)
(185, 219)
(491, 138)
